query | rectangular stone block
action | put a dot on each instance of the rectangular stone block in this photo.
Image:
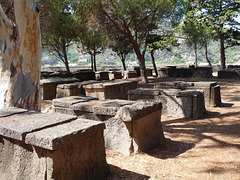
(54, 147)
(176, 102)
(113, 75)
(209, 89)
(48, 87)
(119, 117)
(110, 90)
(20, 127)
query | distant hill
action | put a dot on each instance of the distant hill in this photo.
(181, 55)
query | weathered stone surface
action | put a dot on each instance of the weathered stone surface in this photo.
(138, 110)
(53, 137)
(84, 75)
(110, 107)
(111, 90)
(135, 128)
(115, 75)
(176, 102)
(80, 158)
(73, 89)
(101, 75)
(118, 116)
(229, 74)
(48, 87)
(147, 132)
(66, 102)
(129, 74)
(19, 128)
(208, 88)
(11, 111)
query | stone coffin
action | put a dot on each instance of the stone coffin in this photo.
(84, 75)
(211, 90)
(102, 75)
(131, 127)
(229, 74)
(48, 87)
(176, 103)
(72, 89)
(110, 90)
(115, 75)
(50, 146)
(129, 74)
(149, 72)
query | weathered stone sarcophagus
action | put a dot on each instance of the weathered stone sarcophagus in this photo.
(48, 87)
(110, 90)
(73, 89)
(50, 146)
(131, 127)
(211, 90)
(176, 103)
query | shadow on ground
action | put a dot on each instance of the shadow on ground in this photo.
(118, 173)
(170, 150)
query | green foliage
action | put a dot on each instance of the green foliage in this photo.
(59, 28)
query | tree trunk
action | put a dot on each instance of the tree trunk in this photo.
(153, 62)
(195, 52)
(206, 53)
(94, 60)
(143, 71)
(141, 61)
(223, 58)
(66, 59)
(122, 57)
(20, 57)
(140, 57)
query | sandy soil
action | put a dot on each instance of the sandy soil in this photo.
(206, 148)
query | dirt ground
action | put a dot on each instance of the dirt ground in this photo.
(206, 148)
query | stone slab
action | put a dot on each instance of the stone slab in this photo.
(8, 111)
(110, 107)
(69, 101)
(53, 137)
(18, 129)
(138, 110)
(58, 80)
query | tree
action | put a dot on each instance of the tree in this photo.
(220, 17)
(59, 28)
(20, 56)
(121, 46)
(134, 19)
(91, 37)
(162, 42)
(194, 32)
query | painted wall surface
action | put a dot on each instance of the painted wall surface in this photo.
(20, 57)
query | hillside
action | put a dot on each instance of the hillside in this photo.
(185, 56)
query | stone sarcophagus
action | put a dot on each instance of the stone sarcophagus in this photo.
(131, 127)
(48, 87)
(72, 89)
(110, 90)
(50, 146)
(211, 90)
(176, 103)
